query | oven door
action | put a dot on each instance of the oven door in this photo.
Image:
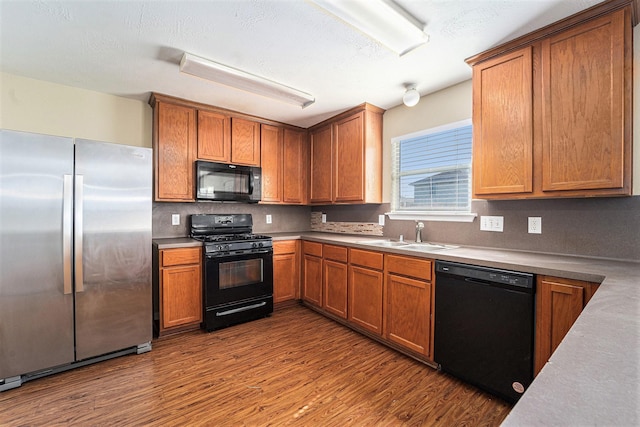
(234, 278)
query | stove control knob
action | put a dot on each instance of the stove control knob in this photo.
(226, 247)
(260, 244)
(254, 245)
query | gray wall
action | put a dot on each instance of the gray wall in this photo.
(285, 218)
(596, 227)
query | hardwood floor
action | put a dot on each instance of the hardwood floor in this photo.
(295, 368)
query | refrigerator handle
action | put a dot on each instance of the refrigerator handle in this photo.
(67, 230)
(78, 234)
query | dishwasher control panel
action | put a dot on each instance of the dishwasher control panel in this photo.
(486, 274)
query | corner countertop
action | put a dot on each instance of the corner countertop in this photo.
(593, 377)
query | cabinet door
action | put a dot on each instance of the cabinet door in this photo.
(245, 142)
(271, 140)
(584, 133)
(181, 296)
(295, 163)
(175, 150)
(312, 280)
(321, 166)
(285, 277)
(559, 302)
(349, 159)
(214, 137)
(409, 313)
(365, 298)
(503, 124)
(335, 288)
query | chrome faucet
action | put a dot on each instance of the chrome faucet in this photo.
(419, 227)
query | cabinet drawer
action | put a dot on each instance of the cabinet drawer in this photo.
(366, 258)
(410, 267)
(312, 248)
(336, 253)
(284, 247)
(180, 256)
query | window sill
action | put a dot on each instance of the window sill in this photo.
(427, 216)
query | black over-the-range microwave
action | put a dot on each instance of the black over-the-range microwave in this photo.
(228, 183)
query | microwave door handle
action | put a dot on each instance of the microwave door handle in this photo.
(250, 183)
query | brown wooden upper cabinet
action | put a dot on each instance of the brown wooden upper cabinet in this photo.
(340, 163)
(552, 109)
(214, 136)
(245, 142)
(346, 157)
(284, 159)
(226, 139)
(174, 150)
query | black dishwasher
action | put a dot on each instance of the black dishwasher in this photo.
(484, 327)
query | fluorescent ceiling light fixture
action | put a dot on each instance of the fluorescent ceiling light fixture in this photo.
(382, 20)
(229, 76)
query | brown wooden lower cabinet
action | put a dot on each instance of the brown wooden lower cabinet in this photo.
(286, 276)
(393, 296)
(409, 295)
(180, 289)
(366, 298)
(559, 302)
(334, 280)
(312, 273)
(366, 290)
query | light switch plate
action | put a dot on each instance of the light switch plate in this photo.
(380, 219)
(268, 219)
(324, 218)
(492, 223)
(175, 219)
(535, 225)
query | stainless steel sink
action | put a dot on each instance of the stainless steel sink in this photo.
(383, 243)
(419, 247)
(427, 247)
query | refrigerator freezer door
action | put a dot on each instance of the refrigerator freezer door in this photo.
(36, 316)
(113, 305)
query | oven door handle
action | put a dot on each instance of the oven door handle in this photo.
(240, 309)
(228, 255)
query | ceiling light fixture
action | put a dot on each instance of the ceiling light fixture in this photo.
(229, 76)
(411, 96)
(382, 20)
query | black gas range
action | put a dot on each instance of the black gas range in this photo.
(237, 269)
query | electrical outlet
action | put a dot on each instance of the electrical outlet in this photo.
(380, 219)
(175, 219)
(492, 223)
(268, 219)
(535, 225)
(324, 218)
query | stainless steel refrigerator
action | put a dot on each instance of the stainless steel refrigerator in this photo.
(75, 253)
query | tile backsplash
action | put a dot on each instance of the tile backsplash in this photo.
(366, 228)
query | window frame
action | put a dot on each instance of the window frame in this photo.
(425, 215)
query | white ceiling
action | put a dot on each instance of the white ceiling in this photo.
(132, 48)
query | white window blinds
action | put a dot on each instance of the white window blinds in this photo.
(431, 170)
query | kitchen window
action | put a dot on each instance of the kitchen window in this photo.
(431, 174)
